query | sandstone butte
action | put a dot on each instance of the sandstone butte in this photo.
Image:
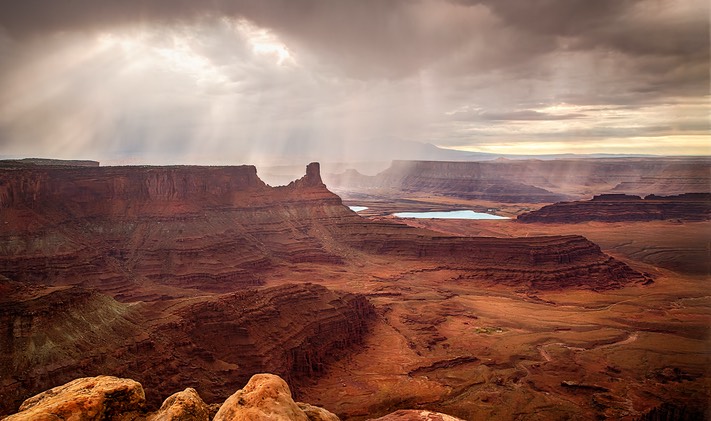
(156, 273)
(266, 397)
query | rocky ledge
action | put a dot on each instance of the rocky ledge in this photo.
(265, 397)
(623, 207)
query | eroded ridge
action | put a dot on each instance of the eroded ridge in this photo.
(622, 207)
(211, 343)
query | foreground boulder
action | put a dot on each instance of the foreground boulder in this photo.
(84, 399)
(267, 397)
(416, 415)
(182, 406)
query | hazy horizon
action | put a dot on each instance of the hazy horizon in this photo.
(249, 81)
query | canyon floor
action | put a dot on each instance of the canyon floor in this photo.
(481, 351)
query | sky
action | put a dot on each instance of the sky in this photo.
(248, 81)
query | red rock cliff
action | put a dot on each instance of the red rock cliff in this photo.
(621, 207)
(211, 343)
(123, 229)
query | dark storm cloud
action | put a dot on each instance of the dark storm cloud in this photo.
(368, 37)
(398, 37)
(173, 73)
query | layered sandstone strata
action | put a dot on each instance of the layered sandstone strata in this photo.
(468, 180)
(117, 228)
(147, 232)
(178, 254)
(211, 343)
(621, 207)
(531, 180)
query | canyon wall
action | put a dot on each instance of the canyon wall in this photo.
(530, 180)
(120, 229)
(211, 343)
(151, 232)
(620, 207)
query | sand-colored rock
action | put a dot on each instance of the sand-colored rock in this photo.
(265, 397)
(416, 415)
(84, 399)
(316, 413)
(182, 406)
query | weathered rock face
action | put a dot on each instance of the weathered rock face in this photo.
(536, 262)
(191, 244)
(315, 413)
(620, 207)
(534, 181)
(122, 229)
(85, 399)
(182, 406)
(48, 338)
(264, 397)
(117, 227)
(415, 415)
(470, 180)
(671, 412)
(290, 330)
(213, 344)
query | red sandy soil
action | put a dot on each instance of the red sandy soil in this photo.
(451, 344)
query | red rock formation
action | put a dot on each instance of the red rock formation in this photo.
(264, 397)
(290, 330)
(121, 229)
(182, 406)
(469, 180)
(173, 237)
(213, 344)
(551, 262)
(49, 338)
(531, 180)
(620, 207)
(112, 228)
(267, 397)
(95, 398)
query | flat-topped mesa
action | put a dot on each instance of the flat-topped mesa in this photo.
(25, 162)
(622, 207)
(147, 190)
(538, 263)
(112, 190)
(615, 197)
(470, 180)
(113, 228)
